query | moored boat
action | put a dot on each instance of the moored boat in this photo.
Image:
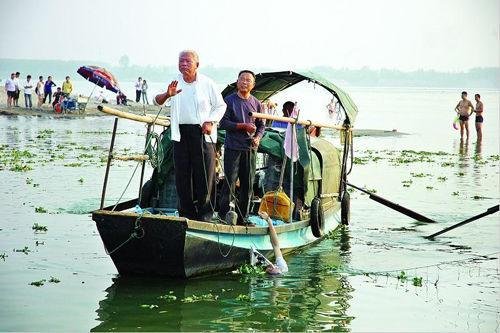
(152, 240)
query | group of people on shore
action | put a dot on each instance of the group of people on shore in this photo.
(465, 109)
(141, 90)
(42, 89)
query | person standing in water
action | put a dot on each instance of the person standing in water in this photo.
(479, 117)
(464, 108)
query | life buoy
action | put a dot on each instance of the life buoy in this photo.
(317, 217)
(345, 208)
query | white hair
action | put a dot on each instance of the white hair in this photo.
(192, 53)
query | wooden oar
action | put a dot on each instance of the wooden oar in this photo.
(293, 120)
(135, 117)
(491, 210)
(395, 206)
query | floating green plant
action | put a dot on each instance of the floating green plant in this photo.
(39, 227)
(243, 298)
(196, 298)
(402, 276)
(3, 256)
(443, 178)
(247, 269)
(149, 306)
(40, 210)
(38, 283)
(455, 193)
(54, 280)
(24, 250)
(417, 281)
(81, 180)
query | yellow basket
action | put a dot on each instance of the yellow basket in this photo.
(277, 205)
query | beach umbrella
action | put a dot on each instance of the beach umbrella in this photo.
(100, 76)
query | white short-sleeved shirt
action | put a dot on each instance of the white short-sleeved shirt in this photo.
(10, 85)
(28, 84)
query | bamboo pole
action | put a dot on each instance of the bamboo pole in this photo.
(131, 157)
(293, 120)
(135, 117)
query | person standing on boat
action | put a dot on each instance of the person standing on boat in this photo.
(196, 105)
(479, 117)
(464, 109)
(243, 135)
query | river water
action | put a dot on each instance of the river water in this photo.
(377, 274)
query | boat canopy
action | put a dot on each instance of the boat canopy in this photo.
(269, 84)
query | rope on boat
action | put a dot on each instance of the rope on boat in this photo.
(135, 234)
(138, 163)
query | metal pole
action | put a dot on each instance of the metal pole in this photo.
(110, 157)
(144, 162)
(291, 171)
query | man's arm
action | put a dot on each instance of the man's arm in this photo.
(171, 91)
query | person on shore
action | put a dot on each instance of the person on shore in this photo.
(67, 87)
(138, 89)
(280, 266)
(464, 108)
(47, 89)
(144, 92)
(121, 99)
(479, 117)
(196, 105)
(10, 88)
(28, 88)
(39, 92)
(18, 89)
(243, 135)
(57, 97)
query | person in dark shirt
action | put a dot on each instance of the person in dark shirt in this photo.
(243, 135)
(47, 89)
(57, 97)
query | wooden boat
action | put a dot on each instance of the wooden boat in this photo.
(157, 242)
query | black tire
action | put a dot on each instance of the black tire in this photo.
(317, 218)
(345, 209)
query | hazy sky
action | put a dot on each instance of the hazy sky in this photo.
(448, 35)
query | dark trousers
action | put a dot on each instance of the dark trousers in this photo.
(49, 94)
(238, 164)
(194, 163)
(137, 96)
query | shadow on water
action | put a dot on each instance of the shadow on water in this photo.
(308, 297)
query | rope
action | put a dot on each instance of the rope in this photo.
(138, 163)
(385, 272)
(133, 235)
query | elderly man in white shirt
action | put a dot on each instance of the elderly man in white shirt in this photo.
(196, 106)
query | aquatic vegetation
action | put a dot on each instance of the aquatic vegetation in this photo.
(196, 298)
(243, 298)
(149, 306)
(420, 175)
(45, 133)
(447, 164)
(429, 187)
(21, 168)
(455, 193)
(39, 227)
(169, 296)
(24, 250)
(3, 256)
(81, 180)
(54, 280)
(407, 183)
(40, 210)
(29, 180)
(38, 283)
(73, 165)
(478, 197)
(402, 276)
(442, 179)
(461, 174)
(417, 281)
(247, 269)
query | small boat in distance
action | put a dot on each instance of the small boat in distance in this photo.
(153, 240)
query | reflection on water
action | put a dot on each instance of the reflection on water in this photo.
(310, 298)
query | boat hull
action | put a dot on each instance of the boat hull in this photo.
(158, 245)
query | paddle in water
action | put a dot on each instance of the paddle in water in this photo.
(490, 210)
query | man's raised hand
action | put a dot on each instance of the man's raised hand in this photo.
(172, 89)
